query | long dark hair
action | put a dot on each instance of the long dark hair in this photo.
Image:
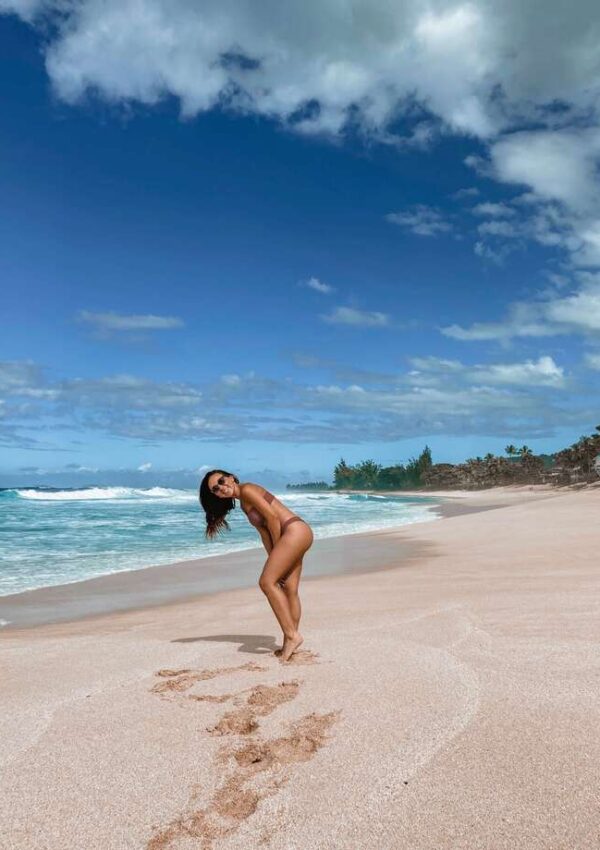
(214, 507)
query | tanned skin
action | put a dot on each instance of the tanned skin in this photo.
(280, 578)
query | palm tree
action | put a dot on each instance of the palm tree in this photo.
(511, 450)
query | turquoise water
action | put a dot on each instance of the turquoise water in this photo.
(51, 537)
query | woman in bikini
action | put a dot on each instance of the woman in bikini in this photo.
(285, 536)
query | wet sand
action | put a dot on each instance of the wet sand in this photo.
(448, 700)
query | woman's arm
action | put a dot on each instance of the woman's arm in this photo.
(254, 496)
(266, 539)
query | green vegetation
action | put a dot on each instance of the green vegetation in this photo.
(369, 475)
(309, 485)
(580, 463)
(582, 455)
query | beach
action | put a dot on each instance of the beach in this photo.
(447, 695)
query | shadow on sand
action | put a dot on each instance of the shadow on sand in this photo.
(252, 644)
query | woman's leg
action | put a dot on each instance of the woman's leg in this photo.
(288, 550)
(290, 587)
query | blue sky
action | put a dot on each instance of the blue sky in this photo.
(258, 249)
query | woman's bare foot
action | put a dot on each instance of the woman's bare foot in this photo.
(280, 649)
(290, 645)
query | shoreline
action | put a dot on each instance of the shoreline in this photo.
(193, 572)
(150, 587)
(167, 584)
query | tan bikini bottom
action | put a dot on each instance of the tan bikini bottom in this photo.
(289, 521)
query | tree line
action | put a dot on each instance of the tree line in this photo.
(579, 462)
(368, 475)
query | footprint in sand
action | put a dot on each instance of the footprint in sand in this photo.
(182, 680)
(254, 771)
(262, 700)
(303, 656)
(176, 681)
(236, 799)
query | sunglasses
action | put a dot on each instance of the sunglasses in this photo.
(216, 487)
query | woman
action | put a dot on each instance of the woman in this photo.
(285, 536)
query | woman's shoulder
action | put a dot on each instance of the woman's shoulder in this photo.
(249, 489)
(250, 486)
(254, 492)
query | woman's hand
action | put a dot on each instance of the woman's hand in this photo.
(274, 529)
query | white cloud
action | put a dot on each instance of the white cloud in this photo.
(436, 364)
(493, 210)
(351, 316)
(580, 310)
(421, 219)
(361, 62)
(365, 63)
(461, 194)
(558, 165)
(486, 252)
(18, 375)
(593, 361)
(435, 396)
(575, 313)
(561, 210)
(541, 373)
(319, 286)
(508, 229)
(523, 320)
(144, 467)
(26, 9)
(109, 322)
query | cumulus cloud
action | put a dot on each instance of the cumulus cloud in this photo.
(319, 286)
(421, 219)
(479, 67)
(561, 207)
(541, 373)
(356, 318)
(558, 165)
(116, 322)
(577, 312)
(580, 310)
(317, 66)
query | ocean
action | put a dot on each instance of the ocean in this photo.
(51, 536)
